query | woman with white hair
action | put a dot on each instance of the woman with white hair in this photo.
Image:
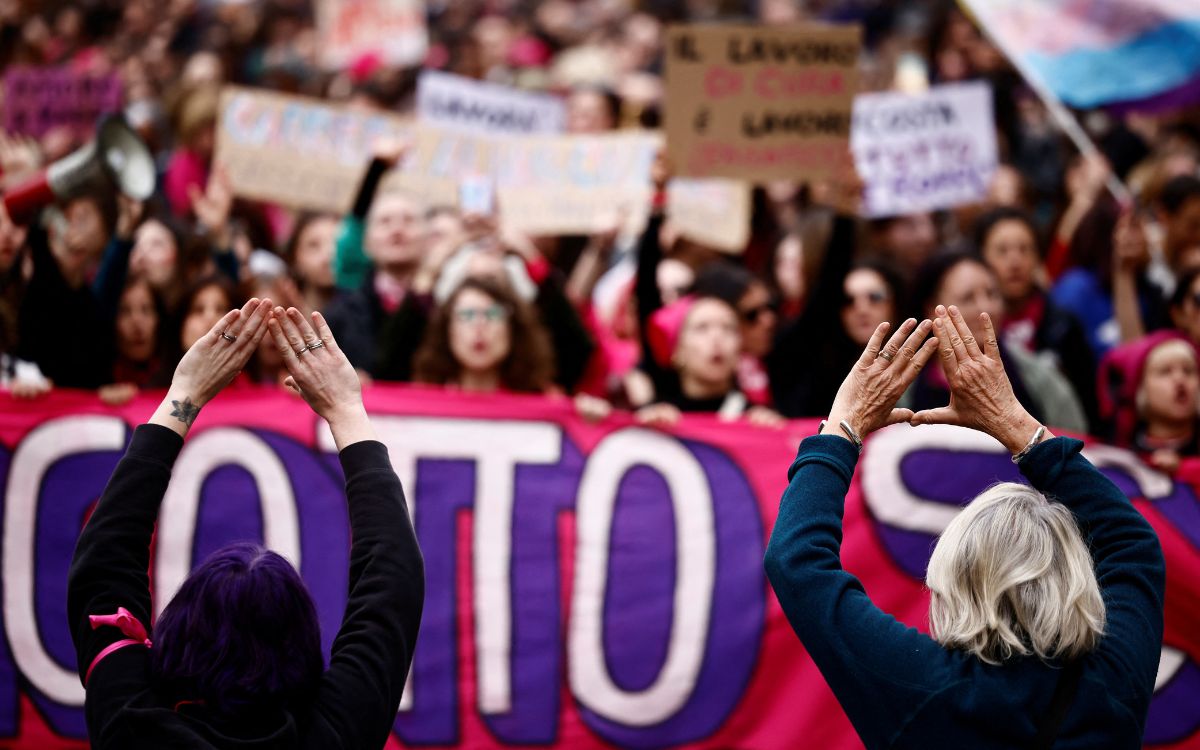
(1032, 640)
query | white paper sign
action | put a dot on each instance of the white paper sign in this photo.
(924, 152)
(447, 100)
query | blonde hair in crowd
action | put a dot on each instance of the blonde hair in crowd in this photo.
(1011, 576)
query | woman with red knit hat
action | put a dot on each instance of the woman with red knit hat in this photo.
(1150, 395)
(695, 345)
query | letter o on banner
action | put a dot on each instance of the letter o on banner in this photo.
(695, 543)
(37, 453)
(177, 519)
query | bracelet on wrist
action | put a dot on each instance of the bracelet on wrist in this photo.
(851, 434)
(1033, 441)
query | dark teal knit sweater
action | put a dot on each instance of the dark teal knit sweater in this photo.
(901, 689)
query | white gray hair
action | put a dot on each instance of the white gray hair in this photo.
(1011, 576)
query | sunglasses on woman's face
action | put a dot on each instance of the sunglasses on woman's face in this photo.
(752, 315)
(491, 314)
(873, 297)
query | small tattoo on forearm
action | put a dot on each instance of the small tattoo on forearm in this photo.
(185, 412)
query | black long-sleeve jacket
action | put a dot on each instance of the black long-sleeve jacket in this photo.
(356, 702)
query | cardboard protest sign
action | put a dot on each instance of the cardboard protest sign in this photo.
(297, 151)
(394, 30)
(450, 101)
(759, 102)
(438, 161)
(924, 152)
(569, 184)
(715, 212)
(542, 184)
(38, 99)
(575, 184)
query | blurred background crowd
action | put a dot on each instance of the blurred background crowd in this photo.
(1099, 303)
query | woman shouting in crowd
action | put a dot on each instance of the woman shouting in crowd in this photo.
(1030, 642)
(235, 659)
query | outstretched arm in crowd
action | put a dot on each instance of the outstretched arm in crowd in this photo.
(213, 207)
(1130, 254)
(787, 369)
(590, 267)
(108, 577)
(361, 691)
(647, 381)
(114, 264)
(351, 266)
(879, 669)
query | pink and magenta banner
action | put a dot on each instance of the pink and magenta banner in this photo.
(38, 99)
(588, 586)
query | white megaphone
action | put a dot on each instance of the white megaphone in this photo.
(116, 158)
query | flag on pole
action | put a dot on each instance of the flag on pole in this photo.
(1092, 53)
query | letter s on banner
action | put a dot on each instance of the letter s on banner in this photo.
(40, 449)
(893, 503)
(177, 518)
(696, 570)
(886, 493)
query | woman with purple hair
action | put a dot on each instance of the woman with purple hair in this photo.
(235, 659)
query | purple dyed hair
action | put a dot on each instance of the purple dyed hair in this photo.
(241, 635)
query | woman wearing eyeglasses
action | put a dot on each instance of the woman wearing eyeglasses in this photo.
(485, 339)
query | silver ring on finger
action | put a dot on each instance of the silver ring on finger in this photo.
(886, 356)
(228, 336)
(300, 351)
(317, 345)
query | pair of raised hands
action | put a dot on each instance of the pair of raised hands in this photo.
(981, 396)
(318, 370)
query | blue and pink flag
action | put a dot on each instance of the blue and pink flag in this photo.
(1093, 53)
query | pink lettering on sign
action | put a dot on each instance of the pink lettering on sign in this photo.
(785, 83)
(722, 82)
(715, 155)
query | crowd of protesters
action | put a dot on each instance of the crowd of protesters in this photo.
(1098, 303)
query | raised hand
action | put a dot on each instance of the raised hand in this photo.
(318, 370)
(212, 362)
(390, 150)
(214, 205)
(129, 213)
(658, 415)
(219, 355)
(843, 189)
(867, 398)
(18, 155)
(1131, 250)
(981, 396)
